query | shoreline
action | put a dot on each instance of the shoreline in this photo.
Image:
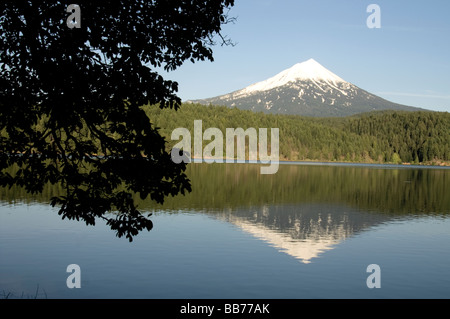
(323, 163)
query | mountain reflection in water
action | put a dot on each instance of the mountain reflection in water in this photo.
(302, 231)
(302, 210)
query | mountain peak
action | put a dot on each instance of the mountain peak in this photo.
(309, 70)
(306, 88)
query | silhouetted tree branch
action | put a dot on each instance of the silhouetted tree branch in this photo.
(70, 108)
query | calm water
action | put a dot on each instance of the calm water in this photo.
(305, 232)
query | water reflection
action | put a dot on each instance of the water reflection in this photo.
(303, 210)
(221, 186)
(303, 231)
(336, 219)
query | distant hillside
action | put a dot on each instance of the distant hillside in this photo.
(377, 137)
(306, 89)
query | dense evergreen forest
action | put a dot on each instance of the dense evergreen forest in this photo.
(378, 137)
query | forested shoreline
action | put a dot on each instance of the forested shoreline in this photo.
(379, 137)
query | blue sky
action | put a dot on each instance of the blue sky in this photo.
(406, 61)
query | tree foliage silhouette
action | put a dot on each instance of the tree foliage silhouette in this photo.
(70, 108)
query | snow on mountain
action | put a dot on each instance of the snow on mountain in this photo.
(306, 88)
(308, 70)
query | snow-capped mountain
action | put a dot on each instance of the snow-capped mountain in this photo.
(306, 88)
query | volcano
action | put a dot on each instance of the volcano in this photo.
(307, 89)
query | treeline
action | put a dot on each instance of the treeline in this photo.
(416, 137)
(379, 137)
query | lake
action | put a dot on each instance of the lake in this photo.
(308, 231)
